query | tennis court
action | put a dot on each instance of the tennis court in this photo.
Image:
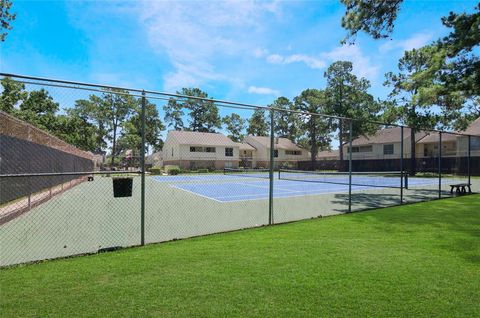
(242, 185)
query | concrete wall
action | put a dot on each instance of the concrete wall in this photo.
(25, 149)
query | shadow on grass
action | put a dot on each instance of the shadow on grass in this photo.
(368, 200)
(451, 217)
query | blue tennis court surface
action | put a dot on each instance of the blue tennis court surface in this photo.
(229, 188)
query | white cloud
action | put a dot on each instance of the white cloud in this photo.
(263, 91)
(260, 52)
(275, 59)
(194, 35)
(362, 64)
(414, 42)
(310, 61)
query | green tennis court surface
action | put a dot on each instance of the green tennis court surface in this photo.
(417, 260)
(87, 218)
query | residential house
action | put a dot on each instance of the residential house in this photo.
(384, 144)
(155, 159)
(462, 141)
(247, 154)
(194, 150)
(286, 152)
(328, 155)
(428, 146)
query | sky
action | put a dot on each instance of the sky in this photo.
(244, 51)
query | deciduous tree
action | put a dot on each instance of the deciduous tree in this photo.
(6, 18)
(315, 128)
(40, 109)
(203, 112)
(235, 125)
(257, 124)
(13, 94)
(347, 96)
(286, 122)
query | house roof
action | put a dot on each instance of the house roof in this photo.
(280, 143)
(154, 157)
(328, 154)
(200, 138)
(435, 137)
(387, 135)
(474, 128)
(245, 146)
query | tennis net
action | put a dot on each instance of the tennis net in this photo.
(250, 173)
(389, 179)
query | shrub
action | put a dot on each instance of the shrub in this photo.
(204, 170)
(173, 171)
(168, 167)
(155, 170)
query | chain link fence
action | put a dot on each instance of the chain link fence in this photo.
(57, 200)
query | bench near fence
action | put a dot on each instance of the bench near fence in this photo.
(461, 187)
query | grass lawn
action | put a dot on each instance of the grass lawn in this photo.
(414, 260)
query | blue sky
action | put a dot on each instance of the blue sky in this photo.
(246, 51)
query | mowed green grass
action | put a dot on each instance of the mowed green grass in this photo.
(420, 260)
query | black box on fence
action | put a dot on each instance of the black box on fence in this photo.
(122, 187)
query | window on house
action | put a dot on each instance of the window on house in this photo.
(196, 149)
(228, 152)
(275, 153)
(293, 152)
(388, 149)
(202, 149)
(474, 143)
(172, 152)
(354, 149)
(365, 149)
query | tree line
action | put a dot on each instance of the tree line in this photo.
(443, 74)
(109, 121)
(436, 86)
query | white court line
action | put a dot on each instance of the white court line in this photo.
(228, 196)
(294, 196)
(303, 194)
(268, 187)
(248, 197)
(195, 193)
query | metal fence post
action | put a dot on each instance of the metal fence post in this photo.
(440, 165)
(142, 163)
(401, 165)
(350, 127)
(272, 158)
(468, 160)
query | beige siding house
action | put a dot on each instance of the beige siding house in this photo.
(328, 155)
(155, 159)
(286, 152)
(384, 144)
(462, 141)
(248, 155)
(193, 150)
(428, 146)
